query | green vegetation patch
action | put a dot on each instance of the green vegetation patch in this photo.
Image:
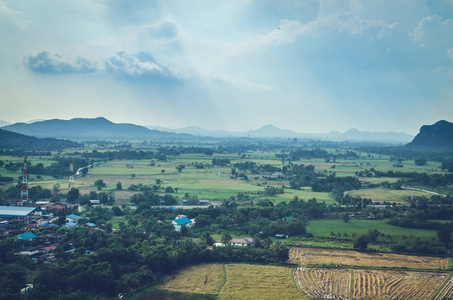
(323, 228)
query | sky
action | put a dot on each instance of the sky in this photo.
(308, 65)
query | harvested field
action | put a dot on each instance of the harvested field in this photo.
(369, 284)
(446, 292)
(327, 283)
(258, 282)
(200, 279)
(304, 256)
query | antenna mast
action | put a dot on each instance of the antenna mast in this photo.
(71, 175)
(24, 190)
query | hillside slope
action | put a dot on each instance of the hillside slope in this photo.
(17, 141)
(438, 136)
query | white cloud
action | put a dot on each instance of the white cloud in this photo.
(433, 31)
(141, 64)
(450, 53)
(10, 16)
(46, 62)
(163, 29)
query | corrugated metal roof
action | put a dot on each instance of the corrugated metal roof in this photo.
(16, 211)
(75, 217)
(183, 221)
(26, 236)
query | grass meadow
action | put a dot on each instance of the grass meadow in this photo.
(323, 228)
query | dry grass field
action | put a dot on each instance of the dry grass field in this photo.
(446, 292)
(258, 282)
(371, 284)
(327, 283)
(200, 279)
(381, 195)
(321, 256)
(243, 281)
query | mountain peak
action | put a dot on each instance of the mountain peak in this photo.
(438, 136)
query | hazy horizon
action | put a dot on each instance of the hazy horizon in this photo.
(307, 66)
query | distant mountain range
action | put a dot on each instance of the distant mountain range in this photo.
(4, 123)
(271, 131)
(90, 129)
(438, 136)
(17, 141)
(102, 129)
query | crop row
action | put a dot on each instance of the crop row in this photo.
(368, 284)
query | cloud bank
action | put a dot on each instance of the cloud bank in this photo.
(46, 62)
(139, 65)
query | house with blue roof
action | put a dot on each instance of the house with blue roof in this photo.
(26, 236)
(74, 218)
(70, 224)
(181, 221)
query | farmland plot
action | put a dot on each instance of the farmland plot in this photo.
(446, 292)
(327, 283)
(370, 284)
(303, 256)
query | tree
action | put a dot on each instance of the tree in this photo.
(420, 162)
(207, 238)
(119, 186)
(345, 217)
(332, 235)
(444, 235)
(346, 235)
(162, 171)
(133, 175)
(361, 243)
(226, 238)
(73, 195)
(99, 184)
(56, 192)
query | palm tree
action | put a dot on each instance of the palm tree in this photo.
(332, 234)
(345, 235)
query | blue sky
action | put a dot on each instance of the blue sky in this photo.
(309, 66)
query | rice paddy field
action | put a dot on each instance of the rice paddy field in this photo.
(388, 195)
(310, 256)
(235, 281)
(249, 281)
(216, 182)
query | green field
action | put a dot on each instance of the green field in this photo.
(215, 182)
(323, 228)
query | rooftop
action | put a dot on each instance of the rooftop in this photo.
(75, 217)
(183, 221)
(15, 211)
(26, 236)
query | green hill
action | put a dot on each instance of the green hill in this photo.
(16, 141)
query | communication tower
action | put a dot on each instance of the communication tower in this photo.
(71, 175)
(24, 190)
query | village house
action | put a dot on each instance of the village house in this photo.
(182, 220)
(244, 242)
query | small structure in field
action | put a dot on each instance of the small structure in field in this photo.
(244, 242)
(281, 236)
